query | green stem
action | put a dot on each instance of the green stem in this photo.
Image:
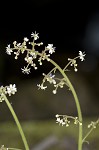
(87, 135)
(17, 123)
(92, 128)
(76, 101)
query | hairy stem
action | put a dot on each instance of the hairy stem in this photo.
(17, 123)
(76, 101)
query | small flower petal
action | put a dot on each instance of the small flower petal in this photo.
(8, 50)
(25, 70)
(82, 55)
(51, 48)
(11, 89)
(42, 87)
(35, 35)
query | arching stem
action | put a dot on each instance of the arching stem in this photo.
(76, 101)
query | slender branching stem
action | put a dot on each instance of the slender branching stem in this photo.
(17, 122)
(62, 71)
(93, 126)
(84, 139)
(76, 101)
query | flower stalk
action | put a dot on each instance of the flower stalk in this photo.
(17, 122)
(76, 101)
(31, 55)
(92, 126)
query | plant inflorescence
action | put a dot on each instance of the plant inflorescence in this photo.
(32, 56)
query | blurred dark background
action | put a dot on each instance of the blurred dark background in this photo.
(70, 26)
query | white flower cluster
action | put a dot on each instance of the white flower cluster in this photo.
(65, 120)
(52, 80)
(31, 53)
(49, 78)
(82, 55)
(3, 148)
(11, 89)
(73, 62)
(93, 124)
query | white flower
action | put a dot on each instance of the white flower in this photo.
(26, 39)
(73, 63)
(8, 50)
(33, 54)
(25, 70)
(51, 48)
(11, 89)
(57, 116)
(50, 79)
(67, 125)
(54, 91)
(34, 65)
(1, 97)
(3, 148)
(60, 121)
(35, 35)
(16, 54)
(19, 45)
(29, 60)
(75, 69)
(41, 86)
(82, 55)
